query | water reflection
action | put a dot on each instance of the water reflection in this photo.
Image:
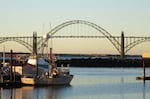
(121, 90)
(101, 83)
(144, 90)
(31, 92)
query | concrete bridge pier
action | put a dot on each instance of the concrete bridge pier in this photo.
(34, 43)
(122, 45)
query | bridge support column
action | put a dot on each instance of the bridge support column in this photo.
(34, 43)
(122, 45)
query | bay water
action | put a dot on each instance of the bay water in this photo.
(89, 83)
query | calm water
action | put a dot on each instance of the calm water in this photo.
(89, 83)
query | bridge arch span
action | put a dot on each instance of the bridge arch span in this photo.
(27, 45)
(93, 25)
(135, 43)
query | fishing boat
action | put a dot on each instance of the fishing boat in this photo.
(40, 74)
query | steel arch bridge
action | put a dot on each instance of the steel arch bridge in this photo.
(105, 33)
(26, 41)
(20, 40)
(121, 43)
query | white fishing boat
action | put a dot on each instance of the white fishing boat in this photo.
(39, 72)
(46, 75)
(60, 80)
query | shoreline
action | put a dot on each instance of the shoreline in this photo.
(98, 62)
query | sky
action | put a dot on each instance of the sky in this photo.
(22, 17)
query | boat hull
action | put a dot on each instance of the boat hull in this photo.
(62, 80)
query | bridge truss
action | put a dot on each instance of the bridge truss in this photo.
(128, 42)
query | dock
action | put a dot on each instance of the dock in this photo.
(142, 78)
(10, 75)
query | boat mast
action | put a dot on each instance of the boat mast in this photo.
(51, 61)
(4, 55)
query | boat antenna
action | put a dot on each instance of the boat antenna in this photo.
(51, 38)
(43, 33)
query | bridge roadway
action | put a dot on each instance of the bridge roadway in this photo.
(130, 41)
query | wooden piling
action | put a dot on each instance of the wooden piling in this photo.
(145, 56)
(11, 64)
(144, 72)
